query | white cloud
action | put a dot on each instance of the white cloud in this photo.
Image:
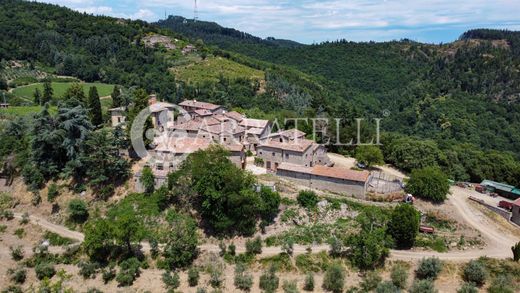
(308, 20)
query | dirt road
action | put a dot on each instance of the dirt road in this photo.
(499, 240)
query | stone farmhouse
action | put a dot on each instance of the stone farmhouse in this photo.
(286, 153)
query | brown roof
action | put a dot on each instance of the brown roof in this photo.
(517, 202)
(323, 171)
(183, 145)
(290, 134)
(193, 125)
(235, 115)
(233, 147)
(203, 112)
(200, 105)
(225, 127)
(255, 131)
(256, 123)
(297, 145)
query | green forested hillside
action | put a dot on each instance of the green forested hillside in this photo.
(443, 99)
(466, 91)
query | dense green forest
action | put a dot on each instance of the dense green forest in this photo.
(458, 99)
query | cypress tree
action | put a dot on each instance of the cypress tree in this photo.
(94, 107)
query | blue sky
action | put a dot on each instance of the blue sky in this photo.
(307, 21)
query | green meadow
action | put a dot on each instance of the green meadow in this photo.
(60, 88)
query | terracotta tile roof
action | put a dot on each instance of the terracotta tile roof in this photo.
(255, 131)
(203, 112)
(323, 171)
(209, 121)
(192, 125)
(517, 202)
(183, 145)
(220, 117)
(235, 116)
(298, 145)
(288, 134)
(199, 105)
(256, 123)
(233, 147)
(224, 128)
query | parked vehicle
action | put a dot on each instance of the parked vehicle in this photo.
(426, 229)
(408, 198)
(506, 205)
(480, 188)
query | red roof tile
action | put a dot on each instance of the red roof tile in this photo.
(256, 123)
(235, 116)
(323, 171)
(297, 145)
(199, 105)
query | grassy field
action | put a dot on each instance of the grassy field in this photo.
(211, 68)
(24, 110)
(60, 88)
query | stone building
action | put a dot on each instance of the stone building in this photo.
(117, 116)
(334, 179)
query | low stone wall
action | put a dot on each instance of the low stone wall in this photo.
(350, 188)
(503, 213)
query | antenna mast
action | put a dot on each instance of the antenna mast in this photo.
(195, 12)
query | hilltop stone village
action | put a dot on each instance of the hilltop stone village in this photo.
(286, 153)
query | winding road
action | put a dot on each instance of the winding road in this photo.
(498, 243)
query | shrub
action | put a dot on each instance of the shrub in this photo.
(387, 287)
(370, 281)
(223, 248)
(429, 183)
(52, 192)
(201, 290)
(193, 277)
(288, 246)
(57, 240)
(516, 252)
(474, 272)
(36, 198)
(129, 270)
(8, 215)
(108, 274)
(17, 275)
(336, 247)
(17, 253)
(254, 246)
(20, 232)
(467, 288)
(88, 269)
(308, 285)
(429, 268)
(78, 211)
(334, 278)
(307, 199)
(243, 280)
(399, 276)
(290, 287)
(172, 281)
(25, 218)
(154, 248)
(44, 270)
(269, 281)
(404, 225)
(502, 284)
(423, 286)
(12, 289)
(232, 249)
